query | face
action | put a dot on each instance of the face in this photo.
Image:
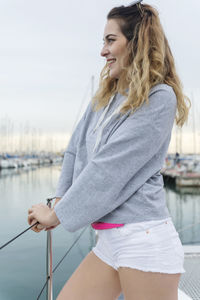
(115, 48)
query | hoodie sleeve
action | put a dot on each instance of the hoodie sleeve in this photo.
(65, 179)
(122, 165)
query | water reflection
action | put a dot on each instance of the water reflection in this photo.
(22, 263)
(184, 207)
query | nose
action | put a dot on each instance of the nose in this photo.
(104, 51)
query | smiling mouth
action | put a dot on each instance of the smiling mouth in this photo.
(111, 61)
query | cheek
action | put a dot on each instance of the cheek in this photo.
(121, 52)
(121, 59)
(124, 56)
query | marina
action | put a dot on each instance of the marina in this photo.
(183, 171)
(23, 262)
(26, 257)
(24, 161)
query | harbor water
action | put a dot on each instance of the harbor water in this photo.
(23, 262)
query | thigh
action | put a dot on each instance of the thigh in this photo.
(92, 280)
(140, 285)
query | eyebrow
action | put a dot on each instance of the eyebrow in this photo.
(110, 34)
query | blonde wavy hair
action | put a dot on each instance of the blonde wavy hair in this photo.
(150, 62)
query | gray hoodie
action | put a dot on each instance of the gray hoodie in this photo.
(111, 167)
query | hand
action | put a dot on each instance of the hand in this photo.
(38, 227)
(44, 215)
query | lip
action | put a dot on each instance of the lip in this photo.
(111, 61)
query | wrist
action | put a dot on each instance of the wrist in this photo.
(56, 201)
(53, 218)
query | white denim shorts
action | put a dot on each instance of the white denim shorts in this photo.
(152, 246)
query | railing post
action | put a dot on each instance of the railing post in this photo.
(49, 290)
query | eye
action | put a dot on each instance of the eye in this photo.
(110, 40)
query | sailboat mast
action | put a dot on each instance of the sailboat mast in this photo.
(92, 86)
(194, 128)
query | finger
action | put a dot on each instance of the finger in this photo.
(49, 228)
(40, 227)
(34, 228)
(31, 218)
(29, 221)
(33, 221)
(30, 210)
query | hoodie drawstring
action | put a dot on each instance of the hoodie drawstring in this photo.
(99, 134)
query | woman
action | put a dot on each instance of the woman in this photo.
(111, 170)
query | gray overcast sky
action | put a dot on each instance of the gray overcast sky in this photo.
(50, 49)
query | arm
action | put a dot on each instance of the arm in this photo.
(44, 215)
(65, 179)
(124, 160)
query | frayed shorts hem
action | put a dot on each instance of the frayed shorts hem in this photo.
(156, 249)
(122, 265)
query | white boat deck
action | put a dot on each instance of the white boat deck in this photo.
(183, 296)
(190, 280)
(189, 285)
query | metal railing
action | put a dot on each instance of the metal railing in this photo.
(49, 263)
(49, 257)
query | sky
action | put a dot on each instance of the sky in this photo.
(50, 50)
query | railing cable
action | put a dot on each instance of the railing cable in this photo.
(69, 249)
(61, 261)
(58, 264)
(48, 200)
(187, 227)
(18, 235)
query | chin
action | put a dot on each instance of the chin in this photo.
(113, 75)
